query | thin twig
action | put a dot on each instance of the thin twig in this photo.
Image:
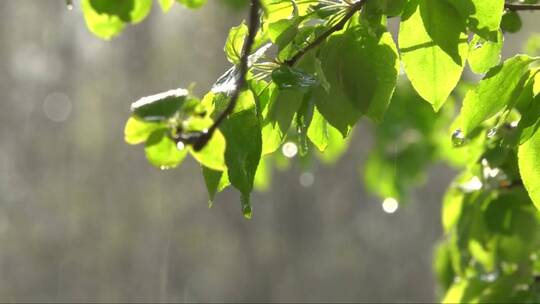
(522, 7)
(352, 10)
(199, 140)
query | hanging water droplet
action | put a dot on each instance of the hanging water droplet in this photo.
(491, 133)
(458, 138)
(180, 146)
(69, 4)
(164, 167)
(514, 124)
(290, 150)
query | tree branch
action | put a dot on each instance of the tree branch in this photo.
(200, 139)
(522, 7)
(353, 9)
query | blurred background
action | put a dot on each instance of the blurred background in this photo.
(84, 217)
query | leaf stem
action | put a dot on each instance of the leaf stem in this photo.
(199, 140)
(522, 7)
(337, 27)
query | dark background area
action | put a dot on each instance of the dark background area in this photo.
(84, 217)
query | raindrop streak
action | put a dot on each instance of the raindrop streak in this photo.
(390, 205)
(290, 150)
(458, 138)
(478, 44)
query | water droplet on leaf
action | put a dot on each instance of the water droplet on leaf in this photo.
(474, 184)
(458, 138)
(180, 146)
(491, 133)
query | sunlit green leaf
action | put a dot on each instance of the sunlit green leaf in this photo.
(215, 182)
(283, 31)
(213, 154)
(166, 5)
(484, 16)
(107, 18)
(192, 3)
(485, 54)
(529, 167)
(433, 48)
(235, 43)
(161, 151)
(160, 106)
(244, 146)
(137, 131)
(362, 72)
(278, 116)
(493, 93)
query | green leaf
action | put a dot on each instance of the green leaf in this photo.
(452, 208)
(337, 146)
(216, 181)
(318, 131)
(213, 154)
(161, 150)
(529, 167)
(485, 54)
(159, 107)
(511, 22)
(137, 131)
(283, 31)
(244, 146)
(166, 5)
(287, 78)
(193, 3)
(278, 116)
(276, 10)
(484, 16)
(530, 115)
(536, 86)
(442, 265)
(362, 70)
(493, 93)
(263, 177)
(433, 47)
(107, 18)
(235, 43)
